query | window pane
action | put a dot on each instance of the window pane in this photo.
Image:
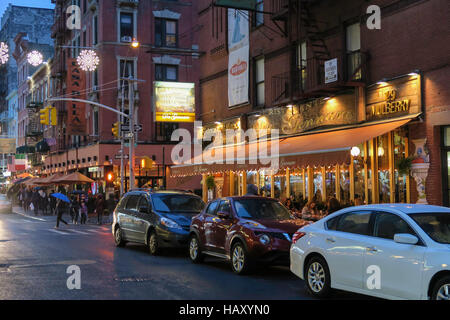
(158, 32)
(171, 73)
(260, 94)
(259, 70)
(387, 225)
(171, 40)
(353, 37)
(212, 208)
(126, 25)
(132, 202)
(447, 136)
(171, 27)
(355, 222)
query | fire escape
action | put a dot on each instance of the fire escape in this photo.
(306, 78)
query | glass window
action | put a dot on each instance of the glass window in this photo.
(166, 72)
(143, 203)
(132, 202)
(166, 33)
(447, 136)
(436, 225)
(332, 223)
(296, 181)
(174, 203)
(383, 169)
(354, 222)
(164, 130)
(259, 15)
(280, 185)
(353, 37)
(387, 225)
(126, 25)
(261, 209)
(211, 210)
(225, 206)
(259, 77)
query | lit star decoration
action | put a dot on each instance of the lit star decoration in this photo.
(88, 60)
(3, 53)
(35, 58)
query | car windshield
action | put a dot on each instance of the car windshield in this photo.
(174, 203)
(261, 209)
(436, 225)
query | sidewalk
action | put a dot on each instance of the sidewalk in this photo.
(92, 218)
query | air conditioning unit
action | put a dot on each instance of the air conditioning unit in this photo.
(126, 39)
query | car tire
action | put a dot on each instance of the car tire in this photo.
(240, 260)
(441, 289)
(153, 245)
(317, 277)
(118, 238)
(195, 253)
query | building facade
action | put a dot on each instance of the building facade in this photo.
(362, 113)
(167, 53)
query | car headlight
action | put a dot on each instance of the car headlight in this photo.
(264, 239)
(170, 223)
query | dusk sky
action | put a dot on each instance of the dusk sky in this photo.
(26, 3)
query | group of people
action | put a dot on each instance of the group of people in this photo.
(36, 200)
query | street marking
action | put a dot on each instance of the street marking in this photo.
(78, 231)
(27, 216)
(60, 232)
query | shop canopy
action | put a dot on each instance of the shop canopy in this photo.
(325, 148)
(73, 178)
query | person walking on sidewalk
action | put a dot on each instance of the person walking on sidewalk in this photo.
(60, 208)
(83, 210)
(99, 208)
(74, 208)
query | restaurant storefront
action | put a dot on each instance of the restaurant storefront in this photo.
(337, 146)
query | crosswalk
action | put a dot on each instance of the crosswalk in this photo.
(71, 231)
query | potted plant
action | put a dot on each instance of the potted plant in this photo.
(404, 166)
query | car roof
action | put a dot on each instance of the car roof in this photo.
(405, 207)
(150, 191)
(244, 198)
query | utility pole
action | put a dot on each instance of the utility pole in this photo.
(121, 143)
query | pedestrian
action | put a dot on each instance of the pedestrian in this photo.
(60, 208)
(83, 210)
(35, 200)
(52, 201)
(99, 208)
(74, 208)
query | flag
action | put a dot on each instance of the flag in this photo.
(20, 162)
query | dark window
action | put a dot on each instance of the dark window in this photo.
(132, 202)
(174, 203)
(143, 204)
(436, 225)
(164, 130)
(225, 206)
(388, 224)
(332, 223)
(211, 210)
(166, 72)
(126, 25)
(121, 203)
(355, 222)
(95, 31)
(258, 16)
(166, 33)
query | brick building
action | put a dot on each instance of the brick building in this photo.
(330, 84)
(167, 52)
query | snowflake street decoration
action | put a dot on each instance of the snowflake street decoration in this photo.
(88, 60)
(3, 53)
(35, 58)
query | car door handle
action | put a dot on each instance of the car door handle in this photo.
(331, 240)
(371, 249)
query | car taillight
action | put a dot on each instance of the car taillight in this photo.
(297, 236)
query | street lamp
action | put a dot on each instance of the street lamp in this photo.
(135, 44)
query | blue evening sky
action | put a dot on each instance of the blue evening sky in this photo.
(25, 3)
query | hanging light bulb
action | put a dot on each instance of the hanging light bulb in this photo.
(380, 151)
(4, 56)
(35, 58)
(355, 151)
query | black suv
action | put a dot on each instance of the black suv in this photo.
(157, 219)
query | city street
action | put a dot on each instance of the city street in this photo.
(34, 258)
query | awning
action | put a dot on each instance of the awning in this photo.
(323, 148)
(73, 178)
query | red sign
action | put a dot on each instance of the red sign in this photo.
(239, 68)
(76, 111)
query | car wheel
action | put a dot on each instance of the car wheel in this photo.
(195, 253)
(240, 261)
(118, 237)
(441, 289)
(318, 277)
(153, 245)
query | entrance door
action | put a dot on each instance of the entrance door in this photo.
(446, 165)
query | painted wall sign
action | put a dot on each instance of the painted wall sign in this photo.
(76, 111)
(174, 101)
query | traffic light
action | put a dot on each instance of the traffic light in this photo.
(44, 116)
(109, 176)
(53, 116)
(115, 129)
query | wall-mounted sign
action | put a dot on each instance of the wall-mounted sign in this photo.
(76, 83)
(93, 169)
(331, 71)
(7, 145)
(174, 101)
(395, 98)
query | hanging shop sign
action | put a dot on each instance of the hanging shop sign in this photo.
(331, 70)
(174, 101)
(238, 58)
(76, 111)
(393, 99)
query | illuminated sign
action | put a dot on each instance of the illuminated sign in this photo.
(174, 101)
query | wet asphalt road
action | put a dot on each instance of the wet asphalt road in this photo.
(34, 260)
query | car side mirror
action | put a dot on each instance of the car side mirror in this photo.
(405, 238)
(223, 215)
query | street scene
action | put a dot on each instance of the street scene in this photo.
(225, 150)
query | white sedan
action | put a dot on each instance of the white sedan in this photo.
(392, 251)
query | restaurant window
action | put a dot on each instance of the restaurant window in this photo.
(126, 32)
(166, 72)
(446, 164)
(317, 185)
(353, 40)
(297, 185)
(302, 63)
(264, 184)
(280, 185)
(344, 184)
(166, 33)
(252, 178)
(359, 174)
(400, 153)
(382, 152)
(259, 77)
(164, 131)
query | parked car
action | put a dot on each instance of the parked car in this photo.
(158, 219)
(393, 251)
(243, 230)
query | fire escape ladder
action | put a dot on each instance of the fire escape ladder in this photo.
(313, 34)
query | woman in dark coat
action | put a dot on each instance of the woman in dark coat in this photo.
(99, 208)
